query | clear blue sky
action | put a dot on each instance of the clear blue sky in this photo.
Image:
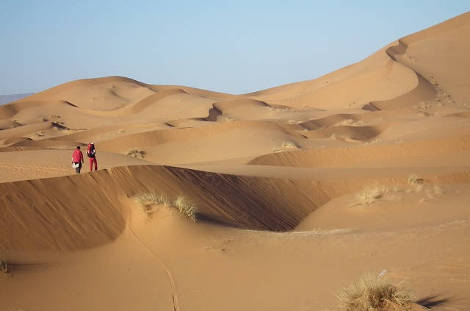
(228, 46)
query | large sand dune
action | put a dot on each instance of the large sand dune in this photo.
(299, 189)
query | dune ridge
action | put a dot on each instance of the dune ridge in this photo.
(82, 217)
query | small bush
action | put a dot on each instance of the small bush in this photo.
(152, 198)
(437, 190)
(373, 293)
(415, 180)
(186, 208)
(148, 200)
(285, 146)
(416, 183)
(4, 267)
(349, 122)
(369, 195)
(138, 154)
(294, 122)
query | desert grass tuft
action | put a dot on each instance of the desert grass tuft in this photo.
(374, 293)
(149, 199)
(370, 194)
(186, 208)
(285, 146)
(414, 179)
(416, 182)
(4, 268)
(350, 122)
(135, 153)
(152, 197)
(437, 190)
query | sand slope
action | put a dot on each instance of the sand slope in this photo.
(300, 189)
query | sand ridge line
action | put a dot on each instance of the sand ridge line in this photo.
(36, 167)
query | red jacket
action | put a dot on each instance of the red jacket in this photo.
(77, 156)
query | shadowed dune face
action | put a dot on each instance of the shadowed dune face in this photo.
(76, 216)
(364, 169)
(36, 218)
(83, 217)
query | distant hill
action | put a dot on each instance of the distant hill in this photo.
(5, 99)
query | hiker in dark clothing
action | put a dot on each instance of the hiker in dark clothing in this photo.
(91, 153)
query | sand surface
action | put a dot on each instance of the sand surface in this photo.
(300, 189)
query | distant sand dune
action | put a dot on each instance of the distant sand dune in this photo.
(376, 78)
(97, 94)
(413, 154)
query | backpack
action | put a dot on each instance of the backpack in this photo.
(90, 151)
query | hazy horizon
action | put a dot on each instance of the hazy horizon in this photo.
(234, 47)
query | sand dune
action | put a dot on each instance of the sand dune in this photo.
(311, 184)
(189, 145)
(99, 94)
(376, 78)
(74, 199)
(266, 202)
(402, 67)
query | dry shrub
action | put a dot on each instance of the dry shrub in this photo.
(437, 190)
(186, 208)
(416, 182)
(293, 121)
(153, 198)
(277, 108)
(350, 122)
(285, 146)
(4, 269)
(370, 194)
(226, 118)
(373, 293)
(149, 200)
(138, 154)
(414, 179)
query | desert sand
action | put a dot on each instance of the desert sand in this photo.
(299, 189)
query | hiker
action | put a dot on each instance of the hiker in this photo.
(91, 153)
(77, 159)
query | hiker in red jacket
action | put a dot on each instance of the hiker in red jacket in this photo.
(77, 159)
(91, 153)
